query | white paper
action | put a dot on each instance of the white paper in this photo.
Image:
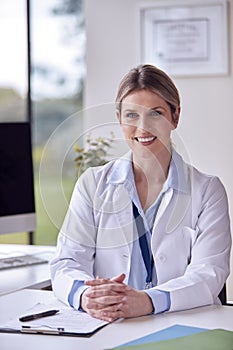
(68, 319)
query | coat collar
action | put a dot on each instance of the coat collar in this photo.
(122, 173)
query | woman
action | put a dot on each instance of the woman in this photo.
(146, 233)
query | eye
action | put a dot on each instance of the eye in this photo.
(154, 113)
(131, 115)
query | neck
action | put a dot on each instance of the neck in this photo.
(154, 168)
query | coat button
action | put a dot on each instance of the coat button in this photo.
(162, 258)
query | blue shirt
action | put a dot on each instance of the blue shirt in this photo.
(138, 273)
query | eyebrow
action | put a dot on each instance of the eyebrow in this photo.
(149, 109)
(158, 108)
(129, 110)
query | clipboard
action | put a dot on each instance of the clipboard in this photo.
(67, 322)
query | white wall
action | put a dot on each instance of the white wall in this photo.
(206, 126)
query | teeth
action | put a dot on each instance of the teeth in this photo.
(145, 139)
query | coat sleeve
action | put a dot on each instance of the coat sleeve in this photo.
(208, 267)
(74, 258)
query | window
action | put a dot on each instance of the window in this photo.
(13, 68)
(57, 73)
(13, 73)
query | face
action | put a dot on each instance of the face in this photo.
(147, 122)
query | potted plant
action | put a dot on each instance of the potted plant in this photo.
(95, 152)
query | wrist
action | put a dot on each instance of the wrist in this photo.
(83, 301)
(149, 307)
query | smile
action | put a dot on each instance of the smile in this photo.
(145, 139)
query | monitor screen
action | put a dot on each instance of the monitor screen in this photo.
(17, 205)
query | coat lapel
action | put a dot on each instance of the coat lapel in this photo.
(124, 215)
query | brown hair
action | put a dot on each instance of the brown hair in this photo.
(151, 78)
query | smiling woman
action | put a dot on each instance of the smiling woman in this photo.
(148, 109)
(146, 233)
(148, 135)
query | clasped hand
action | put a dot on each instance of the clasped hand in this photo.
(109, 299)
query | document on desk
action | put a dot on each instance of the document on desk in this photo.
(216, 339)
(67, 322)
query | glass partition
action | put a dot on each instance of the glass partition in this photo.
(13, 68)
(57, 56)
(57, 41)
(13, 74)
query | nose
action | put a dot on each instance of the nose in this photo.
(143, 124)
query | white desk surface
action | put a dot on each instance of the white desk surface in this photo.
(14, 304)
(36, 276)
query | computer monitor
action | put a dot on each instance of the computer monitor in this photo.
(17, 204)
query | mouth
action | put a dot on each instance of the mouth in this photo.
(146, 140)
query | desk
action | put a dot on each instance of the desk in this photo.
(14, 304)
(36, 276)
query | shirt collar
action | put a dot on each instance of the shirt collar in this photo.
(122, 172)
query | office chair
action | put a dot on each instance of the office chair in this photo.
(223, 295)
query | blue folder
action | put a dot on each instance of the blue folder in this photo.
(172, 332)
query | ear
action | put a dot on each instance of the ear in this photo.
(118, 115)
(176, 117)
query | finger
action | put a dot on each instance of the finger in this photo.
(97, 314)
(105, 301)
(112, 315)
(108, 314)
(113, 308)
(98, 281)
(96, 293)
(119, 278)
(104, 290)
(104, 318)
(101, 278)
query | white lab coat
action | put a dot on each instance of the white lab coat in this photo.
(191, 237)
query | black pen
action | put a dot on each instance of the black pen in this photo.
(39, 315)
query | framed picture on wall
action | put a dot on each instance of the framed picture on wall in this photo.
(185, 38)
